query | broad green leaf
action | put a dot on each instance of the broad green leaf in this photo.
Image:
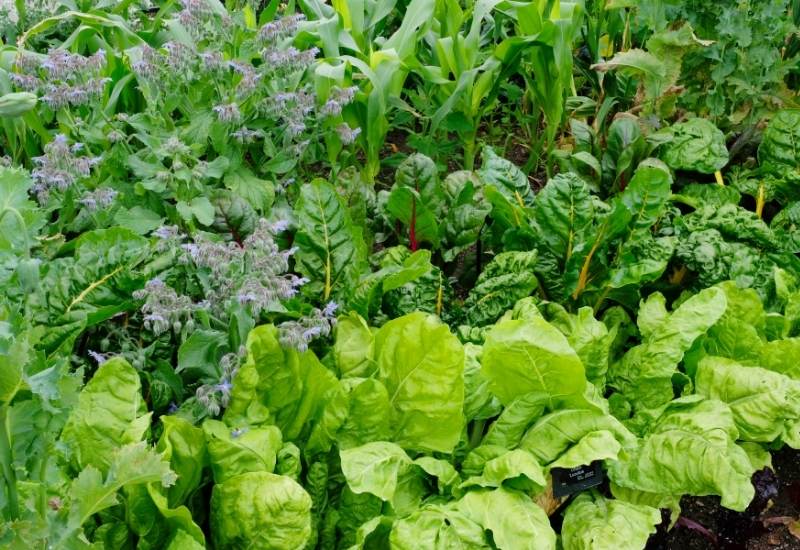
(644, 375)
(647, 194)
(515, 521)
(285, 387)
(93, 285)
(782, 356)
(666, 461)
(508, 278)
(369, 414)
(110, 413)
(421, 364)
(375, 468)
(514, 467)
(516, 418)
(406, 204)
(441, 526)
(765, 404)
(262, 510)
(593, 522)
(506, 177)
(13, 358)
(570, 435)
(563, 211)
(138, 219)
(351, 346)
(331, 252)
(257, 192)
(637, 62)
(590, 338)
(184, 446)
(238, 451)
(479, 402)
(521, 357)
(366, 295)
(780, 145)
(234, 218)
(695, 145)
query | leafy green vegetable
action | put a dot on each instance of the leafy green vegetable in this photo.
(765, 404)
(778, 149)
(666, 460)
(508, 278)
(331, 251)
(260, 508)
(594, 522)
(645, 373)
(421, 364)
(520, 523)
(110, 413)
(521, 357)
(695, 145)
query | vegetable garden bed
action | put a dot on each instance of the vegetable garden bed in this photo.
(399, 274)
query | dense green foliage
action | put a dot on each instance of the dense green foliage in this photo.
(365, 274)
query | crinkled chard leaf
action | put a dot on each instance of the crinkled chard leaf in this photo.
(779, 150)
(508, 278)
(593, 522)
(260, 509)
(666, 459)
(331, 250)
(110, 413)
(696, 145)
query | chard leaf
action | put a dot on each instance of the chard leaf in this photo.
(508, 278)
(260, 509)
(513, 467)
(183, 445)
(375, 468)
(351, 346)
(593, 522)
(421, 364)
(506, 177)
(563, 211)
(286, 387)
(110, 413)
(765, 404)
(332, 253)
(515, 521)
(695, 145)
(570, 435)
(779, 149)
(403, 268)
(443, 526)
(521, 357)
(666, 461)
(513, 422)
(92, 286)
(644, 375)
(245, 450)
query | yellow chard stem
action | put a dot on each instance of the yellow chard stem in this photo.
(760, 199)
(718, 177)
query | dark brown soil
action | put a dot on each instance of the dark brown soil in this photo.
(704, 524)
